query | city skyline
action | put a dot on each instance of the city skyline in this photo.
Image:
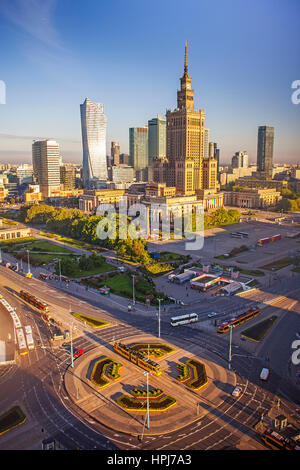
(234, 74)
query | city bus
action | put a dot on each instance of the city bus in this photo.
(243, 234)
(29, 337)
(236, 235)
(184, 319)
(21, 341)
(31, 299)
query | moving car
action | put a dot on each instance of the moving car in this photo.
(264, 374)
(78, 353)
(237, 391)
(212, 314)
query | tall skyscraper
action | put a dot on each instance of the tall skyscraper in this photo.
(211, 150)
(46, 165)
(206, 143)
(115, 153)
(240, 160)
(67, 177)
(93, 126)
(156, 138)
(265, 143)
(138, 147)
(185, 139)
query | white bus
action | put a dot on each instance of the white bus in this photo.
(29, 337)
(184, 319)
(21, 341)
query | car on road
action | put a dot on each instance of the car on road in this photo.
(212, 314)
(237, 391)
(298, 335)
(78, 353)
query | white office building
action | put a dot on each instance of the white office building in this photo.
(93, 126)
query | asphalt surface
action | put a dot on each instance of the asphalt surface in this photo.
(37, 380)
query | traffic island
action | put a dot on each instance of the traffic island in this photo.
(11, 419)
(93, 322)
(121, 405)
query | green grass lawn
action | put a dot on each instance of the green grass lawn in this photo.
(253, 283)
(104, 268)
(259, 331)
(281, 263)
(121, 284)
(71, 241)
(169, 256)
(40, 252)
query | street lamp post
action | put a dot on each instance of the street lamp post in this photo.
(159, 300)
(230, 341)
(71, 335)
(28, 261)
(0, 256)
(133, 296)
(60, 284)
(148, 417)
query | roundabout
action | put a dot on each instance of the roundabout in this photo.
(103, 403)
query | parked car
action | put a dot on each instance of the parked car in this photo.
(237, 391)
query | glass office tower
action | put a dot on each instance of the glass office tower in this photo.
(93, 126)
(265, 144)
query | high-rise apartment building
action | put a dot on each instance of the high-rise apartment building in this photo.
(115, 153)
(93, 126)
(185, 139)
(156, 138)
(46, 165)
(138, 147)
(265, 143)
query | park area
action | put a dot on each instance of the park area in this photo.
(122, 284)
(40, 252)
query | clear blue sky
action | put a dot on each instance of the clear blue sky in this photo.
(243, 57)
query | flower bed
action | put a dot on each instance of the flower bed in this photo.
(113, 371)
(153, 349)
(105, 366)
(199, 373)
(94, 322)
(197, 379)
(184, 373)
(157, 404)
(139, 393)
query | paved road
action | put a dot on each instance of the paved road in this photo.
(40, 379)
